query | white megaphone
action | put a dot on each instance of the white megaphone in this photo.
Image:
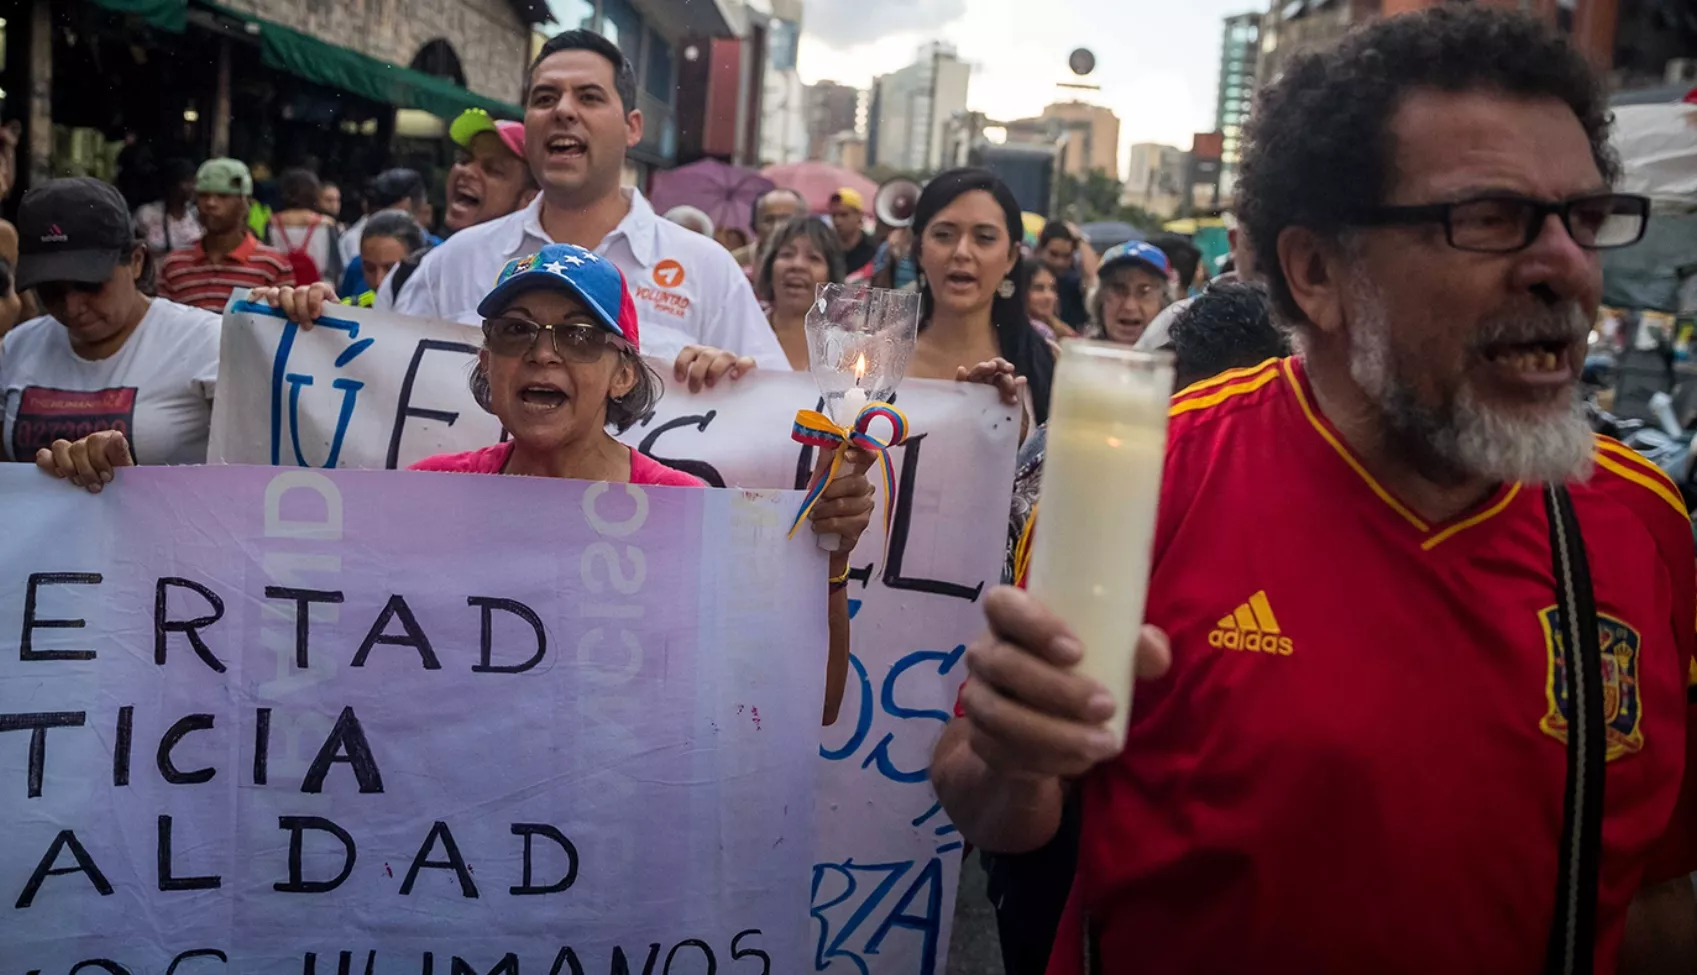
(895, 202)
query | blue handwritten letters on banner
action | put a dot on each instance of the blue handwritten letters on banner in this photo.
(887, 863)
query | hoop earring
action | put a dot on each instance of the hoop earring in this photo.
(1005, 289)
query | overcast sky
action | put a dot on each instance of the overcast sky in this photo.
(1158, 61)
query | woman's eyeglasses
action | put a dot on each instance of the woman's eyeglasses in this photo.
(1504, 224)
(574, 341)
(1140, 291)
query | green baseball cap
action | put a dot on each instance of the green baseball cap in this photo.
(473, 122)
(229, 177)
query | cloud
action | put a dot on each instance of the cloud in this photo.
(848, 23)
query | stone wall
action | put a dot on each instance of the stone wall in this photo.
(492, 43)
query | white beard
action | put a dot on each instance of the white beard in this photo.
(1469, 437)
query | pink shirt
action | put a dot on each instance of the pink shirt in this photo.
(491, 460)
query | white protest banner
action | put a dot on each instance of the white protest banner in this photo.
(361, 389)
(266, 721)
(884, 879)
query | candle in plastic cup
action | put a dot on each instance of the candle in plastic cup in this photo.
(853, 402)
(1107, 438)
(848, 410)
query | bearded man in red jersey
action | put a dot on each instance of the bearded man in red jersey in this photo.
(1373, 733)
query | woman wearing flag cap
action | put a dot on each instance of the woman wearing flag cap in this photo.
(1132, 288)
(561, 362)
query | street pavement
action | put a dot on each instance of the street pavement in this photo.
(973, 949)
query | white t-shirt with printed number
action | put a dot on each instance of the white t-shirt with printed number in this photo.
(157, 388)
(687, 288)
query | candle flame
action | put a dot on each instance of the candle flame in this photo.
(859, 369)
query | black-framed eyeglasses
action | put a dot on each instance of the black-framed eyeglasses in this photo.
(576, 341)
(1503, 224)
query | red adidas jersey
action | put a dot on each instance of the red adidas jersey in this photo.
(1357, 761)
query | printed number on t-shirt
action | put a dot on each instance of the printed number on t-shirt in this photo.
(45, 415)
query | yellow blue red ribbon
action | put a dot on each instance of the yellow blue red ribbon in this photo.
(815, 429)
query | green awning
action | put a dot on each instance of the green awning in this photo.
(338, 67)
(171, 15)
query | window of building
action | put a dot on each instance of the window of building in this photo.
(657, 77)
(784, 40)
(623, 26)
(570, 15)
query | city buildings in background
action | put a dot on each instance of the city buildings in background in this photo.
(1636, 43)
(663, 40)
(1240, 47)
(1087, 137)
(1202, 189)
(724, 79)
(846, 149)
(783, 115)
(1155, 176)
(832, 110)
(911, 109)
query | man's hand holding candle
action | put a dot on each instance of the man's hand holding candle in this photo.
(1027, 724)
(1030, 713)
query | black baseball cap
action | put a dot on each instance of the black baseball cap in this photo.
(75, 229)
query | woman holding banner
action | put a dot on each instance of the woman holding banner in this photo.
(105, 357)
(561, 363)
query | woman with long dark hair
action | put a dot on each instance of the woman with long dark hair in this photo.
(967, 228)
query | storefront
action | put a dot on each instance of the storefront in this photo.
(133, 83)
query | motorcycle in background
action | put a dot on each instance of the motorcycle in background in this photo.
(1663, 441)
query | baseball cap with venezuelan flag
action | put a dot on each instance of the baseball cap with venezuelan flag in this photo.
(591, 279)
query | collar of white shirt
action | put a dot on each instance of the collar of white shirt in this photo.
(636, 230)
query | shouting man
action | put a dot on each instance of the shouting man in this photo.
(580, 119)
(1351, 749)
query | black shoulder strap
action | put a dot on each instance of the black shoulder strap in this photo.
(1573, 928)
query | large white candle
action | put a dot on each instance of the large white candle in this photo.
(1107, 438)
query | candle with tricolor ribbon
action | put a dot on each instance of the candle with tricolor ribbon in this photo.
(815, 429)
(859, 343)
(854, 399)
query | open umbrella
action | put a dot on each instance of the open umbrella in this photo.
(1033, 224)
(1108, 233)
(724, 192)
(816, 181)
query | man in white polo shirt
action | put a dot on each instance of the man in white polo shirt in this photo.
(580, 118)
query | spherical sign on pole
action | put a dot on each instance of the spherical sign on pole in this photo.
(1081, 61)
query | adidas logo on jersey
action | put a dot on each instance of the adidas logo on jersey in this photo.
(1251, 627)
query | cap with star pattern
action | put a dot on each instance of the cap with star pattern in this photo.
(589, 278)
